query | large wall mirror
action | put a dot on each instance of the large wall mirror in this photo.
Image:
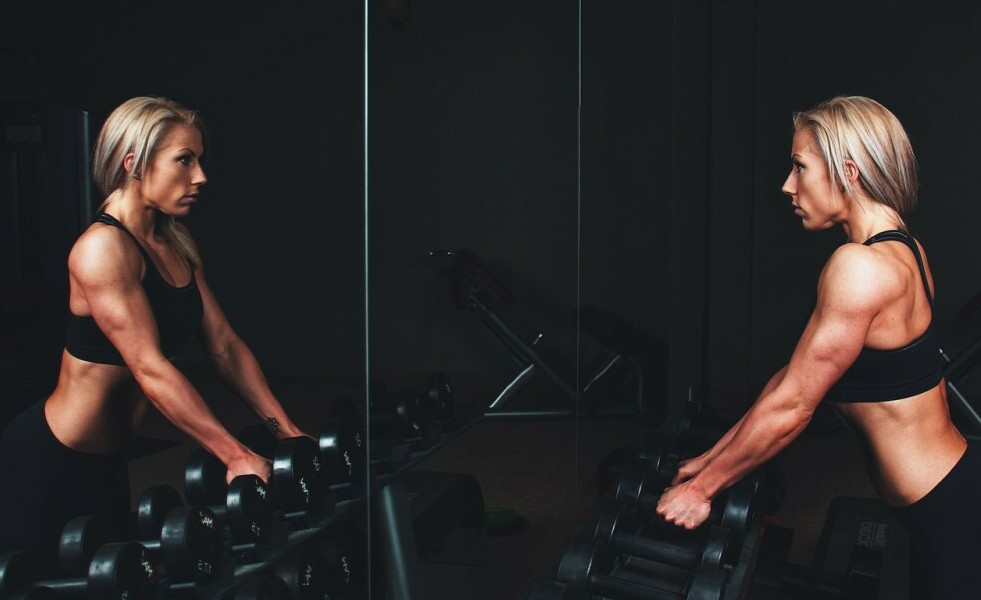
(279, 224)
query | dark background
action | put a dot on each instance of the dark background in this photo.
(629, 156)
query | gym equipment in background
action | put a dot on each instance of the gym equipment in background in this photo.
(642, 358)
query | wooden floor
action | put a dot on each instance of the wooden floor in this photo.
(543, 470)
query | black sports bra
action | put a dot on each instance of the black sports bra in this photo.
(882, 375)
(177, 310)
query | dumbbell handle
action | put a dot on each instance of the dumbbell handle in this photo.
(624, 589)
(672, 554)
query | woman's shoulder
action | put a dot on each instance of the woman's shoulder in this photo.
(857, 270)
(104, 250)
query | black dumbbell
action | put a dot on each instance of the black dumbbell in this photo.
(345, 548)
(188, 544)
(406, 417)
(733, 509)
(299, 480)
(307, 573)
(244, 505)
(658, 461)
(342, 447)
(616, 527)
(584, 565)
(117, 570)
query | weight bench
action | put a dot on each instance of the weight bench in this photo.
(474, 288)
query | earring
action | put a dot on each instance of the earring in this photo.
(136, 176)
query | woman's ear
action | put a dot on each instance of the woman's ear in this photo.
(129, 163)
(851, 172)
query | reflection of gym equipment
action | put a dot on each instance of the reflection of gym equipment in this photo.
(476, 289)
(955, 368)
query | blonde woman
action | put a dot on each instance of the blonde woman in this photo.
(870, 348)
(137, 293)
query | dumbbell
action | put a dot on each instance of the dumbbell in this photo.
(307, 574)
(709, 547)
(117, 570)
(342, 448)
(299, 480)
(188, 545)
(440, 396)
(733, 509)
(584, 565)
(244, 505)
(657, 462)
(406, 417)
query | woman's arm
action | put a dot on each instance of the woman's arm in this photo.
(237, 365)
(851, 291)
(106, 272)
(689, 468)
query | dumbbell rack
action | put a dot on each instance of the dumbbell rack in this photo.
(393, 514)
(385, 493)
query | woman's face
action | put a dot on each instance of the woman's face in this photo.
(809, 184)
(174, 175)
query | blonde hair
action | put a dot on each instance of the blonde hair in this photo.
(863, 131)
(138, 126)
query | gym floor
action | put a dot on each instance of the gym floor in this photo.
(545, 471)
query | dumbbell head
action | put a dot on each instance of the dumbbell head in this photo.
(122, 570)
(706, 583)
(342, 448)
(17, 571)
(152, 508)
(81, 538)
(580, 559)
(249, 510)
(298, 475)
(191, 547)
(307, 573)
(204, 479)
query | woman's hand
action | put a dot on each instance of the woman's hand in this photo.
(684, 506)
(689, 468)
(249, 463)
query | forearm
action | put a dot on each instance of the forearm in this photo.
(726, 439)
(237, 365)
(764, 432)
(177, 400)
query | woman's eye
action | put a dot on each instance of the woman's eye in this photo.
(185, 160)
(798, 167)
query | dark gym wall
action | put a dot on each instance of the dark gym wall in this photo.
(473, 144)
(280, 88)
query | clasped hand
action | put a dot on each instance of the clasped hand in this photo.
(684, 506)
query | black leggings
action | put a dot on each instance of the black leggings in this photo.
(46, 484)
(945, 529)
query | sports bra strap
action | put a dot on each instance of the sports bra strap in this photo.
(107, 219)
(901, 236)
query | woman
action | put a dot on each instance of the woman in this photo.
(870, 347)
(137, 292)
